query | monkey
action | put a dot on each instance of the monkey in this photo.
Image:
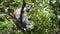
(25, 18)
(18, 10)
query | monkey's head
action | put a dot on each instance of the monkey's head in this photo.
(27, 8)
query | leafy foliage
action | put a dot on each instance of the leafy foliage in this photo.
(42, 15)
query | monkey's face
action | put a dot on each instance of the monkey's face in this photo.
(27, 8)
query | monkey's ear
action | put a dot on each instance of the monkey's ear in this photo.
(27, 8)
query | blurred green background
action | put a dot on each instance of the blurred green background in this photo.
(45, 15)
